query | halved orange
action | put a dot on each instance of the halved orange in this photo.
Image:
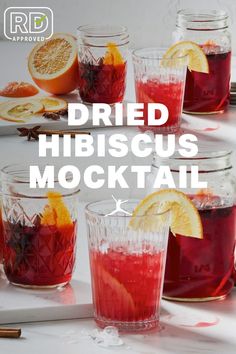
(197, 60)
(185, 218)
(19, 89)
(53, 64)
(20, 110)
(52, 104)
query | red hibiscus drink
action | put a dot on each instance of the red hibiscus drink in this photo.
(159, 80)
(40, 229)
(127, 267)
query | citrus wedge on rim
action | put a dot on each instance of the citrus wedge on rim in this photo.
(20, 110)
(52, 104)
(185, 219)
(53, 64)
(197, 60)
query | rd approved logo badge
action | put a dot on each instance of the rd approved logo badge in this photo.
(28, 24)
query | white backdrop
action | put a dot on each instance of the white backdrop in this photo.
(150, 22)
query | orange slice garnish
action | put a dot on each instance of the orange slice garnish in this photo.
(197, 60)
(56, 213)
(113, 55)
(185, 218)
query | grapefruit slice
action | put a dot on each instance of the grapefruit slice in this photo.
(185, 219)
(52, 104)
(19, 110)
(197, 60)
(53, 64)
(18, 89)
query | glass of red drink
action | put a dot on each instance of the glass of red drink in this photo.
(39, 228)
(159, 80)
(203, 269)
(127, 265)
(102, 52)
(207, 93)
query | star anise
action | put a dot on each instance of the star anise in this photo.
(51, 115)
(30, 133)
(90, 72)
(63, 112)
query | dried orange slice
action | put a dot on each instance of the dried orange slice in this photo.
(56, 213)
(185, 218)
(19, 89)
(52, 104)
(53, 64)
(113, 55)
(20, 110)
(197, 60)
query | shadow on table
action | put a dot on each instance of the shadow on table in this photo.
(180, 340)
(225, 306)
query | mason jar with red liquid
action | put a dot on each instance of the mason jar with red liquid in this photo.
(39, 229)
(206, 93)
(203, 269)
(102, 54)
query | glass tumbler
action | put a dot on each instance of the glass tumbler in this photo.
(127, 260)
(159, 80)
(102, 53)
(39, 229)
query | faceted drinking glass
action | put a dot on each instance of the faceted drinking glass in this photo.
(39, 229)
(102, 53)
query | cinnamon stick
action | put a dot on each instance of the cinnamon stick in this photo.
(61, 133)
(7, 332)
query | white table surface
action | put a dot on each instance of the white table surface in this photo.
(180, 334)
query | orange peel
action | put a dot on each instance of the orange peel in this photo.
(56, 213)
(113, 55)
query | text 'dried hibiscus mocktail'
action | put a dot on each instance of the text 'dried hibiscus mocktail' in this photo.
(127, 260)
(160, 80)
